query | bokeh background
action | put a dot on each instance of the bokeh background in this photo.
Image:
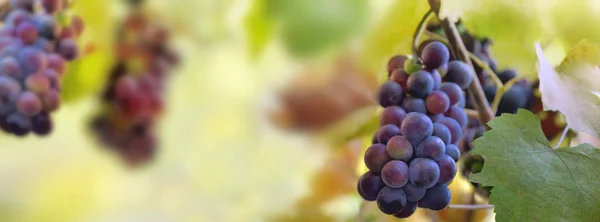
(266, 117)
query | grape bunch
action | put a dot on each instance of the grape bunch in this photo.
(413, 154)
(133, 97)
(37, 39)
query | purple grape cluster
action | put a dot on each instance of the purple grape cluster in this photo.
(413, 154)
(34, 49)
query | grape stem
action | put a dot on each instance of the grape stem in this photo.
(420, 29)
(471, 206)
(562, 136)
(460, 51)
(489, 70)
(500, 92)
(4, 9)
(472, 113)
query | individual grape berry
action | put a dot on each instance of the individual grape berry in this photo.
(436, 197)
(370, 184)
(387, 132)
(453, 91)
(67, 48)
(32, 60)
(435, 54)
(396, 62)
(43, 45)
(29, 104)
(53, 78)
(67, 33)
(432, 148)
(454, 127)
(46, 26)
(419, 84)
(407, 211)
(390, 93)
(437, 102)
(390, 200)
(447, 169)
(52, 6)
(51, 100)
(395, 174)
(10, 67)
(512, 100)
(399, 148)
(41, 124)
(416, 127)
(77, 24)
(413, 193)
(27, 32)
(22, 4)
(37, 83)
(423, 172)
(459, 73)
(453, 151)
(436, 118)
(392, 115)
(11, 51)
(376, 157)
(507, 75)
(414, 105)
(490, 93)
(442, 132)
(57, 63)
(411, 66)
(18, 124)
(437, 79)
(457, 114)
(399, 76)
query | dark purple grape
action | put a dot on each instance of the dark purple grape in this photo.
(437, 79)
(457, 114)
(51, 100)
(454, 127)
(395, 174)
(392, 115)
(18, 124)
(419, 84)
(41, 124)
(57, 63)
(434, 55)
(396, 62)
(442, 132)
(407, 211)
(437, 102)
(512, 100)
(399, 76)
(399, 148)
(27, 32)
(369, 186)
(390, 200)
(436, 118)
(459, 73)
(390, 94)
(447, 169)
(414, 105)
(423, 172)
(387, 132)
(507, 75)
(376, 157)
(436, 197)
(453, 91)
(29, 104)
(10, 67)
(490, 93)
(22, 4)
(453, 151)
(32, 60)
(46, 26)
(432, 148)
(67, 48)
(416, 127)
(413, 193)
(77, 24)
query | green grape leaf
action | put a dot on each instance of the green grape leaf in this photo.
(392, 34)
(312, 26)
(572, 88)
(530, 180)
(258, 27)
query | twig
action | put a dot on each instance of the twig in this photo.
(361, 212)
(500, 92)
(562, 136)
(487, 68)
(459, 49)
(471, 206)
(471, 113)
(420, 28)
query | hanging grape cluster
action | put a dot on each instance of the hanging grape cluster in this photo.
(133, 98)
(36, 41)
(414, 153)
